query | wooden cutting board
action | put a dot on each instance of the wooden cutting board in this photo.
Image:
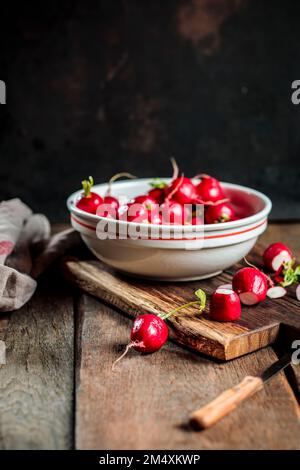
(259, 325)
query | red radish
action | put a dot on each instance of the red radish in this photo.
(222, 212)
(112, 201)
(275, 255)
(154, 217)
(147, 201)
(175, 213)
(197, 221)
(137, 213)
(251, 285)
(298, 292)
(209, 189)
(89, 201)
(276, 292)
(182, 190)
(225, 305)
(150, 332)
(158, 194)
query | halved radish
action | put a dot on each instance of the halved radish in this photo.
(275, 255)
(251, 285)
(225, 305)
(276, 292)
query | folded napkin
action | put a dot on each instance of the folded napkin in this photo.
(26, 250)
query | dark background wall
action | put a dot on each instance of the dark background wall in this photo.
(107, 86)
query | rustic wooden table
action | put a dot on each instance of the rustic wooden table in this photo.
(57, 390)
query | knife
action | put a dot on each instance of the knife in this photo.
(221, 406)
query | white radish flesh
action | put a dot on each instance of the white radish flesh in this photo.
(298, 292)
(225, 286)
(276, 292)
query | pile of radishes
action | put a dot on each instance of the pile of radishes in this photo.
(251, 286)
(173, 203)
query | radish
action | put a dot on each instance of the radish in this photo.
(175, 213)
(89, 201)
(276, 292)
(112, 201)
(137, 213)
(275, 255)
(225, 305)
(222, 212)
(150, 332)
(197, 221)
(298, 292)
(209, 189)
(158, 194)
(147, 201)
(182, 190)
(251, 285)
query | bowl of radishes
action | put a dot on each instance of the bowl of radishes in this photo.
(171, 229)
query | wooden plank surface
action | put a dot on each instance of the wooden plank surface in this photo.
(146, 401)
(258, 326)
(36, 384)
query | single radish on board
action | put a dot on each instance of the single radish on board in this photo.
(222, 212)
(150, 332)
(225, 305)
(89, 201)
(251, 285)
(209, 189)
(275, 255)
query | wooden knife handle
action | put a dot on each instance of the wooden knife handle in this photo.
(221, 406)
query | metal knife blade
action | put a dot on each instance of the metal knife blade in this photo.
(276, 367)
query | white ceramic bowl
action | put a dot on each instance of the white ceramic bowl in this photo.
(218, 247)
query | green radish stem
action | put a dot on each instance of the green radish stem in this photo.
(201, 302)
(87, 186)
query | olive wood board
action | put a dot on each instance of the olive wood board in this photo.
(258, 326)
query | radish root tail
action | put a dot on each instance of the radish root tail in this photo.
(130, 345)
(116, 177)
(175, 168)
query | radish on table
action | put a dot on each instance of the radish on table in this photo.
(150, 332)
(251, 285)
